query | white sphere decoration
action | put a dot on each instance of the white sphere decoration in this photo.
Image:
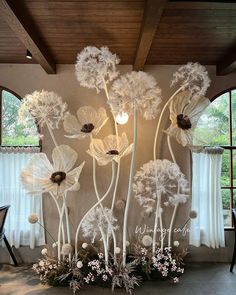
(84, 245)
(176, 243)
(117, 250)
(79, 264)
(44, 251)
(122, 118)
(147, 241)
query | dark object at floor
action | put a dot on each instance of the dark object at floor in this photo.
(234, 254)
(3, 215)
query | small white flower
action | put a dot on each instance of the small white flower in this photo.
(147, 241)
(176, 243)
(44, 251)
(117, 250)
(84, 245)
(33, 218)
(66, 249)
(175, 280)
(79, 264)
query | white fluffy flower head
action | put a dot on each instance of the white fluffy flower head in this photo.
(193, 77)
(44, 251)
(99, 219)
(95, 66)
(84, 245)
(160, 177)
(136, 89)
(33, 218)
(46, 107)
(79, 264)
(147, 240)
(66, 249)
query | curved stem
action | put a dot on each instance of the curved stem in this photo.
(115, 188)
(160, 120)
(67, 222)
(59, 213)
(171, 150)
(51, 133)
(131, 175)
(104, 244)
(47, 231)
(93, 207)
(171, 225)
(155, 226)
(162, 236)
(59, 231)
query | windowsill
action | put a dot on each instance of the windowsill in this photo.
(228, 228)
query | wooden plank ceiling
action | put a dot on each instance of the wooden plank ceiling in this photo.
(183, 31)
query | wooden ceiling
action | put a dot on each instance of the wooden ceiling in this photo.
(140, 32)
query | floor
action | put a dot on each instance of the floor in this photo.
(199, 279)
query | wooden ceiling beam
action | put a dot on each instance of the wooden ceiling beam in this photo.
(227, 63)
(151, 18)
(17, 19)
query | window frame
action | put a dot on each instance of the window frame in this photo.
(230, 148)
(2, 88)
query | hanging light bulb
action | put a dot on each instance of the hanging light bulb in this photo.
(122, 118)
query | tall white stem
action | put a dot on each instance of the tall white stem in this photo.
(171, 225)
(104, 244)
(115, 188)
(131, 175)
(59, 231)
(170, 149)
(160, 120)
(67, 222)
(98, 198)
(155, 226)
(93, 207)
(51, 134)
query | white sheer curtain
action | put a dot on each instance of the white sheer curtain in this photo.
(17, 228)
(208, 228)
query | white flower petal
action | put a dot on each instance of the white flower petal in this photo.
(64, 158)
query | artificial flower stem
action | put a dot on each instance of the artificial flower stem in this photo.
(131, 175)
(104, 244)
(162, 236)
(171, 225)
(47, 231)
(160, 119)
(67, 222)
(93, 207)
(170, 149)
(59, 213)
(155, 226)
(51, 134)
(98, 198)
(59, 232)
(115, 188)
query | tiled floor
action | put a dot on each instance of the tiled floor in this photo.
(199, 279)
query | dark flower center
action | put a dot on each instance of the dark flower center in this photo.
(113, 152)
(87, 128)
(58, 177)
(183, 122)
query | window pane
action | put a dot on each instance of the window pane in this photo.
(12, 132)
(233, 97)
(213, 126)
(225, 175)
(226, 207)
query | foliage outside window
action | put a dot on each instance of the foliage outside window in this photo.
(13, 134)
(217, 127)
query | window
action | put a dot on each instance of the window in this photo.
(217, 127)
(17, 144)
(12, 134)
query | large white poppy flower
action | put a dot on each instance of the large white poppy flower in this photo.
(45, 107)
(192, 77)
(156, 178)
(185, 112)
(42, 176)
(89, 121)
(95, 66)
(136, 89)
(112, 147)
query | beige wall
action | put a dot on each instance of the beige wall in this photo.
(24, 79)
